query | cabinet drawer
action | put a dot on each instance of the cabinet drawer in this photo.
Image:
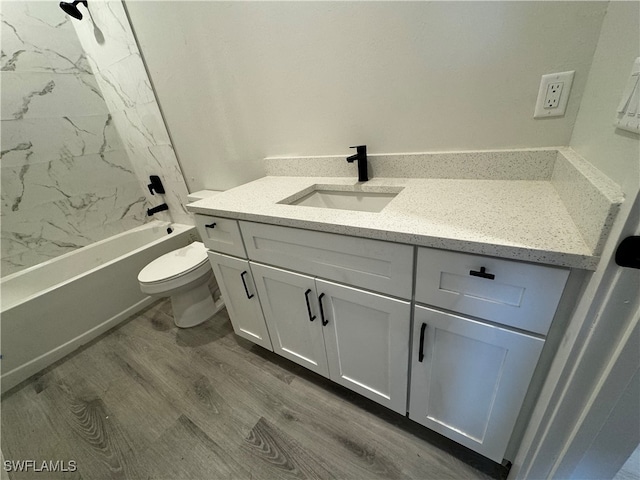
(371, 264)
(221, 235)
(520, 295)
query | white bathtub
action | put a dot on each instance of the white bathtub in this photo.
(51, 309)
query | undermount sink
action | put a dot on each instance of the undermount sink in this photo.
(343, 197)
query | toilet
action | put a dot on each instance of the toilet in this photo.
(183, 275)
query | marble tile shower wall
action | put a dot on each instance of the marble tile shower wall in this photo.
(112, 53)
(66, 177)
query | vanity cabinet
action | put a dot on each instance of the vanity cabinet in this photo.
(356, 338)
(469, 379)
(239, 293)
(339, 306)
(469, 376)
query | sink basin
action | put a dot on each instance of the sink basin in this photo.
(343, 197)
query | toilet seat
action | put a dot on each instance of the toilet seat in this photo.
(184, 275)
(190, 261)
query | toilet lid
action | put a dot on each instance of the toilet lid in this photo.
(174, 264)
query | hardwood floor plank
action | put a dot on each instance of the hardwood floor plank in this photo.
(90, 430)
(257, 393)
(274, 401)
(182, 381)
(30, 433)
(206, 396)
(149, 400)
(393, 433)
(282, 457)
(185, 451)
(143, 410)
(278, 404)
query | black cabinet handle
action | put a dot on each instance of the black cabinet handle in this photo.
(211, 225)
(246, 290)
(306, 297)
(421, 353)
(482, 273)
(324, 320)
(628, 252)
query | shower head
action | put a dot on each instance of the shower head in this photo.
(72, 8)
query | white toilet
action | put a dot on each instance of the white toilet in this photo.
(183, 275)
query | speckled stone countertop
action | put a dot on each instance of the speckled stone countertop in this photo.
(515, 219)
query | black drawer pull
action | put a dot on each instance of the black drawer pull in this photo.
(306, 297)
(482, 273)
(324, 320)
(628, 252)
(211, 225)
(246, 290)
(421, 353)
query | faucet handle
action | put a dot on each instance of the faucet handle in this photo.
(362, 149)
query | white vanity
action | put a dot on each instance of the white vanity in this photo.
(421, 303)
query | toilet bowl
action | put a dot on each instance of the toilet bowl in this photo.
(183, 275)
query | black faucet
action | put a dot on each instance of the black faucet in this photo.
(160, 208)
(361, 157)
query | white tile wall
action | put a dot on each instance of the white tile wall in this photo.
(66, 178)
(46, 139)
(127, 90)
(46, 95)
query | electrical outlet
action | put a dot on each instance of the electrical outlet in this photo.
(553, 94)
(554, 91)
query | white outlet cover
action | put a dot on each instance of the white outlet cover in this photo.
(566, 78)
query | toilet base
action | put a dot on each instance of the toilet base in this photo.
(193, 306)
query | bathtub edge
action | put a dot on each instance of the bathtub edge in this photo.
(25, 371)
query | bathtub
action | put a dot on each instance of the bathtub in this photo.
(51, 309)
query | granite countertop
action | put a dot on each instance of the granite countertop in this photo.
(515, 219)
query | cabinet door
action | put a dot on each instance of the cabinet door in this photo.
(238, 291)
(290, 308)
(469, 379)
(367, 341)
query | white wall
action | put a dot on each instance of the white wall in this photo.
(590, 340)
(613, 151)
(239, 81)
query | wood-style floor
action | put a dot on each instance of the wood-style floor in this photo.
(149, 401)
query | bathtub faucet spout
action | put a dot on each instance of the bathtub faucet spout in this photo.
(160, 208)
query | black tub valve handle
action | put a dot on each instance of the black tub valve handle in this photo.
(156, 185)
